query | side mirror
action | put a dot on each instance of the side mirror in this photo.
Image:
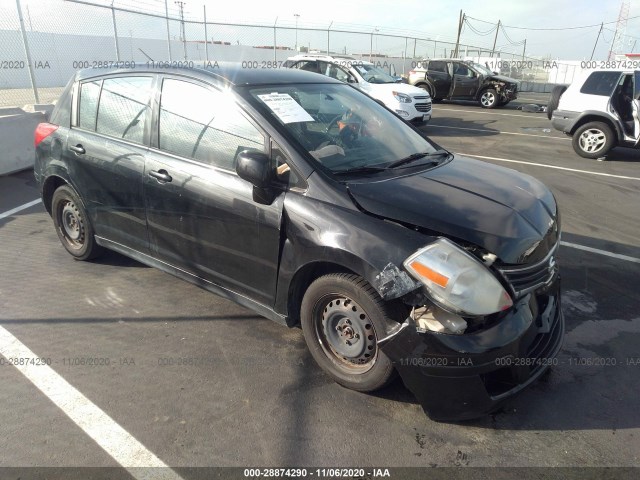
(351, 79)
(255, 168)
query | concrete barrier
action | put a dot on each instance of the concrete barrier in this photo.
(17, 125)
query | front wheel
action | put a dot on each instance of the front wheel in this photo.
(489, 98)
(342, 319)
(593, 140)
(72, 224)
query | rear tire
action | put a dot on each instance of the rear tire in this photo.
(73, 225)
(593, 140)
(554, 100)
(342, 319)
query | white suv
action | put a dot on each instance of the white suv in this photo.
(411, 103)
(599, 110)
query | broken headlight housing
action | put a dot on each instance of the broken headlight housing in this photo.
(456, 281)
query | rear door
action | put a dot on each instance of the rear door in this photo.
(201, 215)
(105, 152)
(438, 73)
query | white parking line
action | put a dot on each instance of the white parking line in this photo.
(8, 213)
(498, 132)
(115, 440)
(548, 166)
(626, 258)
(438, 109)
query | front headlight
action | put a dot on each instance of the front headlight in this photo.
(456, 280)
(401, 97)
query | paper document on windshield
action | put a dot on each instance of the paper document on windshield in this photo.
(286, 108)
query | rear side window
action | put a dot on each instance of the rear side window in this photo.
(438, 67)
(600, 83)
(204, 124)
(89, 94)
(124, 107)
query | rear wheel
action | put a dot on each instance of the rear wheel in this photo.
(343, 318)
(489, 98)
(72, 224)
(426, 88)
(593, 140)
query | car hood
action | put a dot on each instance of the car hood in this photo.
(502, 78)
(503, 211)
(387, 88)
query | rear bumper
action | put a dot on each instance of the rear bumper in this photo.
(563, 120)
(458, 377)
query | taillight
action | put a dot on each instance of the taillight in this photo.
(43, 130)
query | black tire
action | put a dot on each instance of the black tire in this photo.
(73, 225)
(489, 98)
(341, 308)
(426, 87)
(593, 140)
(554, 100)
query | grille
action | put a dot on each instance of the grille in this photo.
(423, 107)
(419, 97)
(531, 277)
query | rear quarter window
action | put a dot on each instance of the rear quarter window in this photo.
(600, 83)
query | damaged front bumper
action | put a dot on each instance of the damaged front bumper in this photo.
(458, 377)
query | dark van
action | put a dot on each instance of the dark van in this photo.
(297, 196)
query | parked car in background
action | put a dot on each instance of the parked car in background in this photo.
(411, 103)
(393, 254)
(599, 111)
(453, 79)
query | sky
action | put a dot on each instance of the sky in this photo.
(434, 19)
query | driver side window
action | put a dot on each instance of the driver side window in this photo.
(338, 73)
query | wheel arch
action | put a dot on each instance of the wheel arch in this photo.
(49, 186)
(587, 117)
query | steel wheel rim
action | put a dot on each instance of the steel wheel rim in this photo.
(345, 333)
(71, 224)
(487, 99)
(592, 140)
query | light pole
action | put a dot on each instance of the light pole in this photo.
(297, 15)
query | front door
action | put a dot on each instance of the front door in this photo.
(465, 81)
(201, 215)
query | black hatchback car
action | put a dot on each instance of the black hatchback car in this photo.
(300, 197)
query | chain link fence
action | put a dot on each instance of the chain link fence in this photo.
(40, 52)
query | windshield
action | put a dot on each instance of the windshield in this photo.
(341, 128)
(373, 74)
(481, 68)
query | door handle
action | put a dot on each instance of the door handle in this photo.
(161, 175)
(79, 149)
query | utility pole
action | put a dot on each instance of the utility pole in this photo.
(596, 44)
(184, 36)
(297, 15)
(328, 42)
(495, 39)
(206, 38)
(115, 31)
(166, 14)
(460, 23)
(524, 49)
(27, 53)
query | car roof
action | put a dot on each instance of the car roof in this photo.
(232, 74)
(328, 58)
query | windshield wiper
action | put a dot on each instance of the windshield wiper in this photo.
(363, 169)
(417, 156)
